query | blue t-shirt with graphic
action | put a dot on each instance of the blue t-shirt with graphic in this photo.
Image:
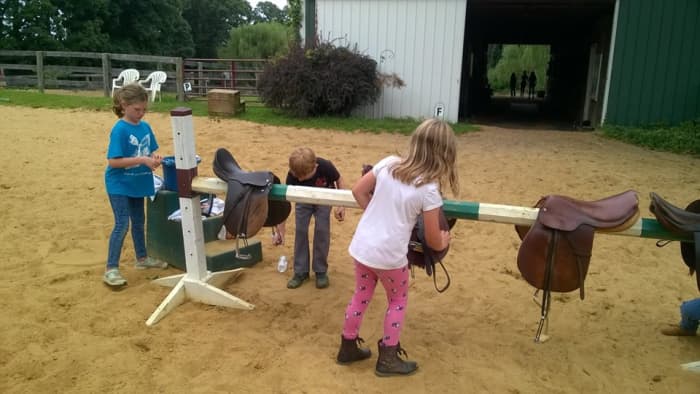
(128, 140)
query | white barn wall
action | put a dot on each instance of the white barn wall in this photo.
(421, 41)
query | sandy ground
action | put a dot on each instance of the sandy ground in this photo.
(64, 331)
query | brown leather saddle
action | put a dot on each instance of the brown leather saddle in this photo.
(247, 207)
(556, 249)
(421, 255)
(684, 223)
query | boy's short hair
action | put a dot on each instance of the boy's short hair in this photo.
(302, 161)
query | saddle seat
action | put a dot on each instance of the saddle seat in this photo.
(614, 213)
(247, 208)
(676, 220)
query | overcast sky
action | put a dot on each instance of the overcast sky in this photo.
(279, 3)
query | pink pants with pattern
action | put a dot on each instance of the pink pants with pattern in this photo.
(395, 284)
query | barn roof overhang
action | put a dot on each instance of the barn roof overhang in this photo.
(533, 21)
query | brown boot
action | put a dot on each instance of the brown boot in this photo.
(351, 351)
(389, 363)
(676, 331)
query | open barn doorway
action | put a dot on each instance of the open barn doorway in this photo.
(569, 91)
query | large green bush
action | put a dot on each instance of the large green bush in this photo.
(326, 80)
(259, 41)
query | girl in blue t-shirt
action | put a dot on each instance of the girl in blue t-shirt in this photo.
(129, 178)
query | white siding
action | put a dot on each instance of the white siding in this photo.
(421, 41)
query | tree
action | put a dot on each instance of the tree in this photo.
(30, 25)
(294, 16)
(212, 20)
(267, 11)
(519, 58)
(259, 41)
(155, 27)
(84, 22)
(493, 54)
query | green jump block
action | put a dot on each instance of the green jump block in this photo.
(164, 238)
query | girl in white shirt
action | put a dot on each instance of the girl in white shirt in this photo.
(393, 194)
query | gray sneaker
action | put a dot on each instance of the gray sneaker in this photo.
(113, 278)
(150, 262)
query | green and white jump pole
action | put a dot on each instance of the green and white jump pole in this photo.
(201, 285)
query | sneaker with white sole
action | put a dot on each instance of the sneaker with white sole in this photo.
(150, 262)
(113, 277)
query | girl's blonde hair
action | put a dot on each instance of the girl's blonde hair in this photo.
(431, 157)
(130, 94)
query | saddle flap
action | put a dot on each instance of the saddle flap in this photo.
(245, 210)
(419, 253)
(277, 210)
(570, 259)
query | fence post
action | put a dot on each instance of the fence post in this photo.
(233, 74)
(180, 79)
(200, 78)
(106, 74)
(40, 71)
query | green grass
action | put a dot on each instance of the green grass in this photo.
(255, 112)
(684, 138)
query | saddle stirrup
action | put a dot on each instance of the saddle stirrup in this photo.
(239, 255)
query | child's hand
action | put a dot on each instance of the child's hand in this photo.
(277, 236)
(151, 162)
(339, 213)
(446, 238)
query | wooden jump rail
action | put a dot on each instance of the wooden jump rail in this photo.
(200, 285)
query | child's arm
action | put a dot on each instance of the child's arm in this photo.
(340, 211)
(122, 162)
(437, 239)
(362, 191)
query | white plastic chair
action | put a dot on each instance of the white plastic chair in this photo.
(156, 79)
(127, 76)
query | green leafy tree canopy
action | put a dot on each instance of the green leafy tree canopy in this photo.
(267, 11)
(516, 59)
(259, 41)
(212, 20)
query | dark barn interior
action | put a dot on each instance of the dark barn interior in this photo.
(578, 33)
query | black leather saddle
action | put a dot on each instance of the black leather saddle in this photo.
(247, 208)
(684, 223)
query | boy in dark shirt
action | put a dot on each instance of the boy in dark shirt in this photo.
(305, 169)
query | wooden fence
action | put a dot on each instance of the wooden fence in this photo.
(201, 75)
(94, 71)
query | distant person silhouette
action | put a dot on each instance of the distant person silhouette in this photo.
(523, 83)
(532, 82)
(513, 84)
